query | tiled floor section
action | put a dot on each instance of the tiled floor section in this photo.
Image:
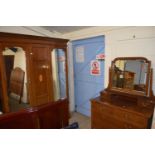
(83, 121)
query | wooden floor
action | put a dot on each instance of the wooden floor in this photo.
(83, 121)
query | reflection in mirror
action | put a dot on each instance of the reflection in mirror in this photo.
(59, 73)
(130, 74)
(15, 66)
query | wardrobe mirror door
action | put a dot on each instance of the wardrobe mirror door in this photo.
(58, 60)
(15, 67)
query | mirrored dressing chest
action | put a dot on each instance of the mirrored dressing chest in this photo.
(128, 102)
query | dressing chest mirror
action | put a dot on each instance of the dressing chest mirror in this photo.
(131, 75)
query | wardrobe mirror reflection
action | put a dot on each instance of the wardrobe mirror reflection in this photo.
(15, 67)
(58, 60)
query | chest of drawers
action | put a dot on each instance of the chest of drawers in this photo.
(107, 115)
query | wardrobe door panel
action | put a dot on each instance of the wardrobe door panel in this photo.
(41, 74)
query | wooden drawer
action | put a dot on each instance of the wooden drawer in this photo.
(101, 109)
(132, 126)
(108, 117)
(109, 123)
(106, 123)
(115, 113)
(130, 118)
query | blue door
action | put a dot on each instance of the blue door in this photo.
(87, 85)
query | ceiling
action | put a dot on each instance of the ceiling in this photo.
(64, 29)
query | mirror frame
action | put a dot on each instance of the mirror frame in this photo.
(126, 91)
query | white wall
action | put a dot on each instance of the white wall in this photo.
(122, 41)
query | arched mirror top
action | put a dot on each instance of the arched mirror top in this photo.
(131, 75)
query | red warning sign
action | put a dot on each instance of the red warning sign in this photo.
(100, 56)
(95, 67)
